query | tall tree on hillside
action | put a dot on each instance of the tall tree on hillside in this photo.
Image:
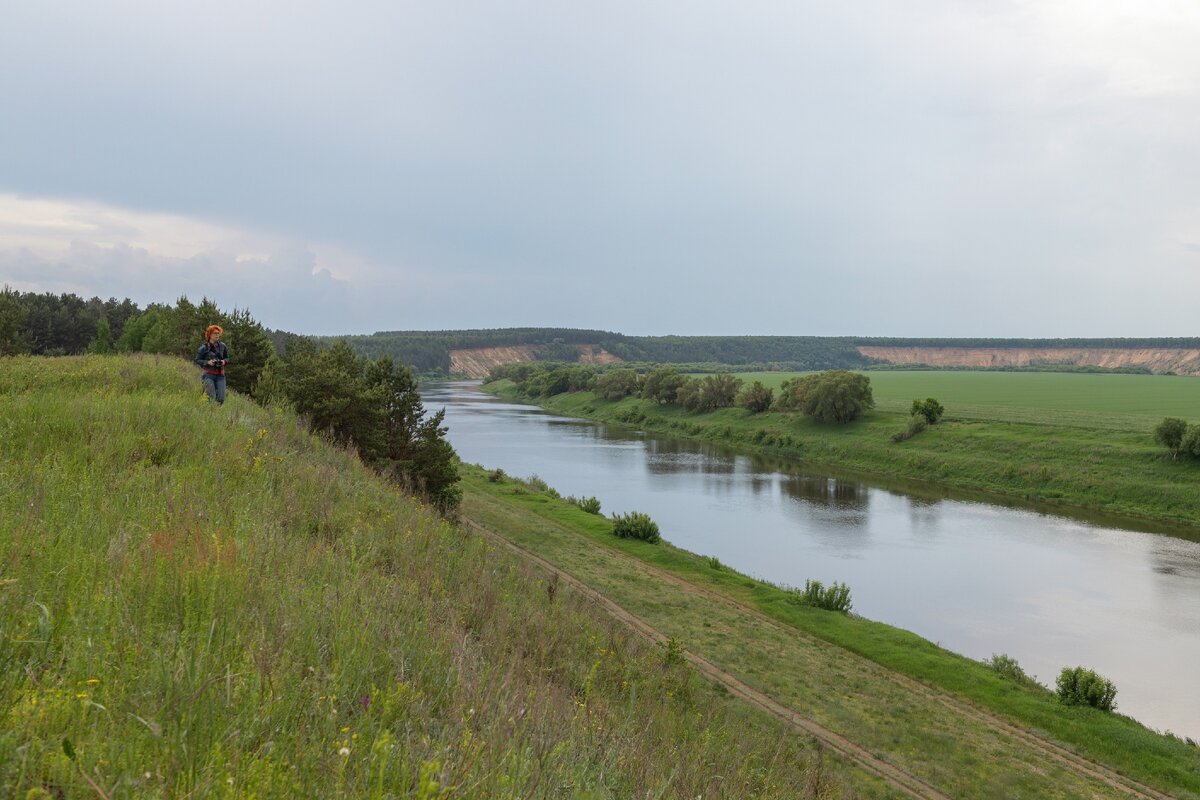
(416, 450)
(375, 407)
(250, 350)
(327, 386)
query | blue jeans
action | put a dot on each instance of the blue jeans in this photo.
(214, 387)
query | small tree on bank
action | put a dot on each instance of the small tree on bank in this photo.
(929, 408)
(756, 397)
(834, 396)
(1083, 687)
(1170, 433)
(1191, 441)
(616, 384)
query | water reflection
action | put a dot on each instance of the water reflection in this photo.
(827, 492)
(977, 577)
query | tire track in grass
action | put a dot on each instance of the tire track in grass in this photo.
(905, 782)
(1049, 749)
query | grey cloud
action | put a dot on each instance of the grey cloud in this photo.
(655, 168)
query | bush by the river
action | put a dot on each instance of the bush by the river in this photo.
(1007, 667)
(1084, 687)
(636, 525)
(916, 424)
(589, 504)
(835, 597)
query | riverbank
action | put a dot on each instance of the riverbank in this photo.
(952, 723)
(1122, 475)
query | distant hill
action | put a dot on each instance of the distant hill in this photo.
(473, 352)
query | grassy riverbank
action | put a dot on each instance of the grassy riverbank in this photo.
(210, 602)
(880, 686)
(1071, 452)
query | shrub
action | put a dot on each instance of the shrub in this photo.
(673, 652)
(687, 394)
(756, 397)
(1191, 442)
(616, 384)
(636, 525)
(713, 562)
(928, 408)
(1083, 687)
(539, 485)
(718, 391)
(661, 385)
(1170, 432)
(496, 476)
(589, 504)
(916, 424)
(834, 396)
(835, 597)
(1007, 667)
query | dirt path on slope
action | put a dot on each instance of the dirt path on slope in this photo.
(908, 783)
(893, 775)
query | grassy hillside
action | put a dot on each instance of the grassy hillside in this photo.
(951, 722)
(209, 602)
(1070, 445)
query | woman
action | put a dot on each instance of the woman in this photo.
(212, 357)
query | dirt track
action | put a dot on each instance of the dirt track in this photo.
(903, 781)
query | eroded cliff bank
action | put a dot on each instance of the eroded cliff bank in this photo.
(1158, 361)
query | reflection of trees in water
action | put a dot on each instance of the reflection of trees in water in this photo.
(1176, 564)
(1181, 559)
(924, 515)
(828, 492)
(675, 457)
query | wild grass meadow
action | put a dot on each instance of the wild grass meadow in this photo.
(202, 601)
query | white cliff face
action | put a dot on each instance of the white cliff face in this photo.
(1158, 361)
(478, 362)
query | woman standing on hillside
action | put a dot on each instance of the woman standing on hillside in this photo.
(212, 357)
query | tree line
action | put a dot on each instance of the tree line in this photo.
(429, 351)
(830, 396)
(370, 405)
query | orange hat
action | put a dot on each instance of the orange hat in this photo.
(210, 330)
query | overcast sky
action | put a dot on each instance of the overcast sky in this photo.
(866, 168)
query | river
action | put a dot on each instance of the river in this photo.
(976, 578)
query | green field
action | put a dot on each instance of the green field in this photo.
(1115, 402)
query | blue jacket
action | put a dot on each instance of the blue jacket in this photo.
(207, 351)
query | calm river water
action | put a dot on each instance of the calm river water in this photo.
(976, 578)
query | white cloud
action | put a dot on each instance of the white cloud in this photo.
(91, 249)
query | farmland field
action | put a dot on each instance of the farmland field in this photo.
(1081, 400)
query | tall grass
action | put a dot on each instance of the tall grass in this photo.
(804, 671)
(202, 601)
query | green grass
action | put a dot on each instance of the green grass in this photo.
(1118, 473)
(846, 693)
(1114, 402)
(210, 602)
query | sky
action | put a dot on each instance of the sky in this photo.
(927, 168)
